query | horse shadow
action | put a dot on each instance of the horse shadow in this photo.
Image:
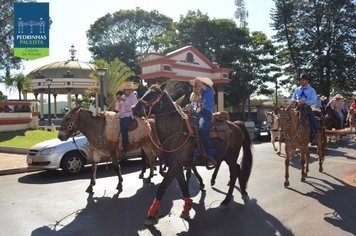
(115, 215)
(340, 197)
(238, 219)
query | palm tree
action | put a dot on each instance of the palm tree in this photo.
(117, 72)
(22, 83)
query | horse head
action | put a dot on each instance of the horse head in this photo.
(269, 119)
(69, 126)
(150, 103)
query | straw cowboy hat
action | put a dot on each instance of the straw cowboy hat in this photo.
(204, 80)
(127, 85)
(338, 96)
(322, 98)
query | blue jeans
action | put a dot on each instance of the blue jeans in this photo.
(124, 129)
(312, 119)
(341, 116)
(204, 124)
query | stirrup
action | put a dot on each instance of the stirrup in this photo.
(210, 163)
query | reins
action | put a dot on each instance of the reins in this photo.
(151, 104)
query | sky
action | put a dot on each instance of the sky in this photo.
(71, 19)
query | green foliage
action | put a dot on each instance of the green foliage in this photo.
(25, 138)
(22, 83)
(126, 35)
(318, 39)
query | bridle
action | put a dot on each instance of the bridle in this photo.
(150, 105)
(72, 126)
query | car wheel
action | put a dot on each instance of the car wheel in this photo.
(72, 163)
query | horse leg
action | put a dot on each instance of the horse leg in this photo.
(303, 157)
(286, 164)
(183, 184)
(234, 173)
(117, 169)
(198, 176)
(143, 162)
(94, 167)
(273, 144)
(213, 177)
(280, 147)
(172, 172)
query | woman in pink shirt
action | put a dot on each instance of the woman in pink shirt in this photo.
(337, 104)
(123, 107)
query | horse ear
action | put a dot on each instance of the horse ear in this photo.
(163, 86)
(180, 100)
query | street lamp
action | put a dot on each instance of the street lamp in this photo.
(101, 72)
(49, 82)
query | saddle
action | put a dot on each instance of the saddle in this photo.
(133, 125)
(220, 128)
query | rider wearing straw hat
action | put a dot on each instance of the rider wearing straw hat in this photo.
(123, 107)
(305, 94)
(204, 111)
(337, 104)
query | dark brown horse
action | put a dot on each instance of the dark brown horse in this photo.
(179, 144)
(102, 132)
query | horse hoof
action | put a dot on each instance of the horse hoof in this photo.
(140, 176)
(151, 221)
(202, 187)
(89, 189)
(212, 182)
(184, 215)
(321, 169)
(302, 179)
(245, 197)
(278, 153)
(286, 184)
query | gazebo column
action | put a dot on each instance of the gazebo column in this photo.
(36, 105)
(220, 97)
(41, 106)
(55, 105)
(69, 100)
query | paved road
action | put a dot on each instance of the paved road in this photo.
(48, 203)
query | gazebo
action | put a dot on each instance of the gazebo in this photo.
(62, 77)
(183, 65)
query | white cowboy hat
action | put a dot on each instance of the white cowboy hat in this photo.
(338, 96)
(127, 85)
(204, 80)
(322, 97)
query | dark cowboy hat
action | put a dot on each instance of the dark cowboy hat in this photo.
(304, 76)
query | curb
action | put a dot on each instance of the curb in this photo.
(14, 150)
(17, 171)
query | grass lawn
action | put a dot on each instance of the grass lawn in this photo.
(25, 138)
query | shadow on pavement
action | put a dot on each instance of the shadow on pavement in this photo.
(339, 197)
(103, 171)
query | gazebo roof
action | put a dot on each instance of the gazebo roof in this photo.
(64, 69)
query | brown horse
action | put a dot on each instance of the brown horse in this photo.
(179, 145)
(272, 123)
(102, 132)
(295, 133)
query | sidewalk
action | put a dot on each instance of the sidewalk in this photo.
(13, 161)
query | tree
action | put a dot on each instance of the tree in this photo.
(117, 72)
(126, 35)
(7, 59)
(252, 57)
(22, 83)
(319, 38)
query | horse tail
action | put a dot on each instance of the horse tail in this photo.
(246, 164)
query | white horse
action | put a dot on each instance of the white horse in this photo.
(272, 124)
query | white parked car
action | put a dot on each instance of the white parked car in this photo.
(66, 155)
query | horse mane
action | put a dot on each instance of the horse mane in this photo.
(293, 121)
